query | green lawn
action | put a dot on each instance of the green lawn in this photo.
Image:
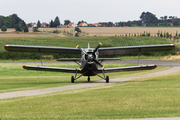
(150, 97)
(15, 78)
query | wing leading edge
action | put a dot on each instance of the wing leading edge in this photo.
(129, 68)
(135, 49)
(42, 49)
(52, 69)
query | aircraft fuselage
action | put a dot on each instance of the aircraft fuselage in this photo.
(90, 67)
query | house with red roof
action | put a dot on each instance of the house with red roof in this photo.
(64, 26)
(43, 24)
(72, 24)
(83, 24)
(96, 25)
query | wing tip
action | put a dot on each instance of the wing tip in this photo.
(24, 66)
(5, 47)
(173, 46)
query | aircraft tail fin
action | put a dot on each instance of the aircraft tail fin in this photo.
(89, 45)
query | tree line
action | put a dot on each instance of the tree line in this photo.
(146, 19)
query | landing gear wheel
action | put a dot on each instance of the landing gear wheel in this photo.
(107, 79)
(72, 79)
(88, 79)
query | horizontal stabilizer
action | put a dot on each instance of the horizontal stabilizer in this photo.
(46, 68)
(109, 59)
(69, 59)
(129, 68)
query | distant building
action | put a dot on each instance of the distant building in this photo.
(72, 24)
(83, 24)
(96, 25)
(64, 26)
(43, 24)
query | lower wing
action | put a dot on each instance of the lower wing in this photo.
(46, 68)
(129, 68)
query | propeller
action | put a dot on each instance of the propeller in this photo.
(90, 57)
(82, 50)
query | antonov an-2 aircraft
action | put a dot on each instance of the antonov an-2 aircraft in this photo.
(89, 60)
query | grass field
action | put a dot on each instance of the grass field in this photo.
(83, 41)
(15, 78)
(99, 31)
(111, 31)
(149, 97)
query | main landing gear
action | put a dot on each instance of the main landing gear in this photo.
(73, 79)
(107, 79)
(88, 79)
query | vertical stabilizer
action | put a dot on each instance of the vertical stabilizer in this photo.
(88, 46)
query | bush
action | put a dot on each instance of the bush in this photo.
(4, 28)
(35, 29)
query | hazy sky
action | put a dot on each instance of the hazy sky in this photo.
(88, 10)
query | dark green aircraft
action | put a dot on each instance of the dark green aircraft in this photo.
(89, 61)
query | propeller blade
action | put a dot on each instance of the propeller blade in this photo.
(97, 47)
(97, 62)
(82, 50)
(82, 66)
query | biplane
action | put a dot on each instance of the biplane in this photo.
(89, 62)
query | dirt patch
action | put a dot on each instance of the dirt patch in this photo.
(171, 58)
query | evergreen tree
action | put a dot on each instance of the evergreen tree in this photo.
(56, 22)
(38, 24)
(4, 28)
(52, 23)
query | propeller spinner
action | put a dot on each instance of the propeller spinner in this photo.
(91, 57)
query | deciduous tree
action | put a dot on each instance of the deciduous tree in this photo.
(18, 27)
(25, 28)
(66, 22)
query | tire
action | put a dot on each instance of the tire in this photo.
(72, 79)
(107, 79)
(88, 79)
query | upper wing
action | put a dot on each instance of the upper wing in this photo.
(135, 49)
(42, 49)
(52, 69)
(129, 68)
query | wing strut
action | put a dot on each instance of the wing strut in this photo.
(139, 56)
(40, 57)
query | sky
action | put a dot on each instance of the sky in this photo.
(91, 11)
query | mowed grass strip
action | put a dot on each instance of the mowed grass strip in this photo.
(142, 98)
(15, 78)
